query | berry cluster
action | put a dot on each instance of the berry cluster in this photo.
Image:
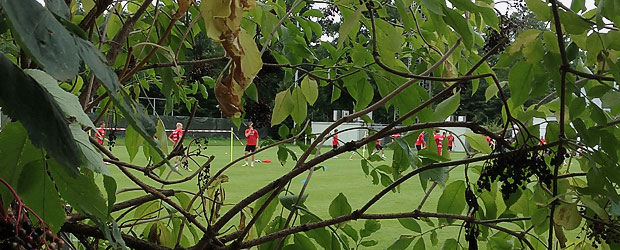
(508, 27)
(24, 235)
(197, 72)
(201, 144)
(471, 229)
(598, 231)
(259, 114)
(514, 170)
(111, 139)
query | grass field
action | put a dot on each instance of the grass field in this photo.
(342, 175)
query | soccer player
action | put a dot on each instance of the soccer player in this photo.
(175, 137)
(439, 140)
(420, 143)
(379, 147)
(542, 141)
(335, 141)
(450, 141)
(100, 133)
(252, 141)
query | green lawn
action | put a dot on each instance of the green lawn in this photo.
(342, 176)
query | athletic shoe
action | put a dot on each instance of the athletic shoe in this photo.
(252, 165)
(244, 165)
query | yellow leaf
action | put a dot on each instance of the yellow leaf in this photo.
(251, 62)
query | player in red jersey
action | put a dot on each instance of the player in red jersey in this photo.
(450, 141)
(175, 137)
(100, 133)
(542, 141)
(252, 140)
(420, 143)
(335, 141)
(439, 140)
(379, 147)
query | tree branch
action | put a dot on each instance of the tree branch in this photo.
(91, 231)
(193, 62)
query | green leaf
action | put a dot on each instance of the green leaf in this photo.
(335, 93)
(38, 192)
(110, 188)
(520, 82)
(300, 109)
(251, 92)
(573, 23)
(490, 92)
(405, 15)
(282, 155)
(465, 5)
(310, 89)
(284, 131)
(402, 242)
(591, 204)
(283, 107)
(411, 224)
(434, 6)
(288, 201)
(369, 243)
(16, 151)
(478, 142)
(265, 217)
(577, 5)
(90, 158)
(43, 38)
(524, 39)
(551, 41)
(447, 107)
(339, 206)
(132, 112)
(460, 25)
(490, 17)
(450, 244)
(419, 245)
(567, 216)
(58, 7)
(313, 13)
(540, 8)
(68, 102)
(371, 226)
(81, 192)
(303, 242)
(23, 99)
(452, 200)
(347, 26)
(434, 239)
(351, 232)
(132, 142)
(320, 235)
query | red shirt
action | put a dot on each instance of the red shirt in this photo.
(100, 134)
(439, 140)
(450, 140)
(252, 136)
(176, 135)
(335, 140)
(378, 142)
(396, 136)
(488, 139)
(420, 140)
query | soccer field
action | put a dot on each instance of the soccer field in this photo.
(341, 175)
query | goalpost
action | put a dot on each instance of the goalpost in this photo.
(231, 131)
